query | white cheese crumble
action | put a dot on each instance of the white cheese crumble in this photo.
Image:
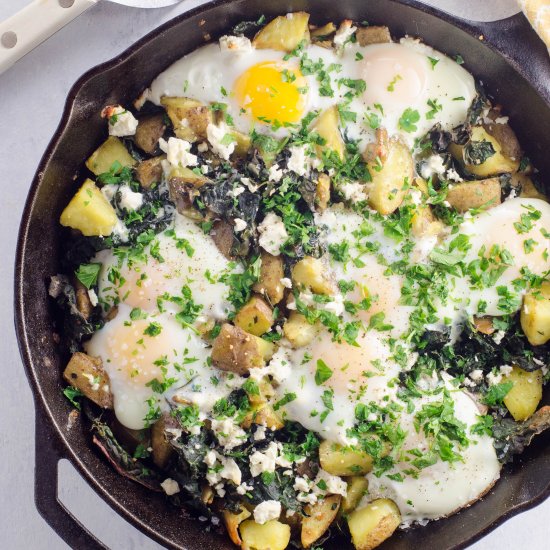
(452, 175)
(170, 486)
(121, 122)
(263, 462)
(266, 511)
(177, 152)
(121, 231)
(235, 44)
(275, 173)
(130, 200)
(334, 485)
(228, 433)
(240, 225)
(243, 488)
(353, 191)
(498, 336)
(286, 282)
(259, 434)
(493, 379)
(476, 375)
(299, 161)
(278, 367)
(216, 137)
(344, 33)
(433, 165)
(272, 234)
(93, 297)
(505, 370)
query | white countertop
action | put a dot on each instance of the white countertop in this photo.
(32, 95)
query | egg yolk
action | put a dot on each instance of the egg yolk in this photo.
(272, 92)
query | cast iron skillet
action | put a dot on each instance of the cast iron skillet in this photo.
(514, 67)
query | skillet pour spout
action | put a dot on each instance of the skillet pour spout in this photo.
(513, 65)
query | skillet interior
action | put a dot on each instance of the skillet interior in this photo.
(81, 131)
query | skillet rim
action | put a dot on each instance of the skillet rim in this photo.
(42, 405)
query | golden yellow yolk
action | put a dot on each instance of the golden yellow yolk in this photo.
(272, 92)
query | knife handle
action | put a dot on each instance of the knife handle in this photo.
(35, 23)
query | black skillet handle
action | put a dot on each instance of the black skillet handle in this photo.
(47, 455)
(517, 41)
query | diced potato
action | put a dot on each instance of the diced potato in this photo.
(185, 176)
(89, 212)
(322, 193)
(224, 237)
(283, 33)
(494, 165)
(390, 181)
(238, 351)
(150, 129)
(475, 194)
(232, 522)
(322, 33)
(272, 535)
(266, 391)
(343, 461)
(424, 223)
(162, 449)
(318, 518)
(327, 126)
(149, 171)
(87, 375)
(269, 283)
(312, 273)
(372, 525)
(83, 302)
(357, 488)
(256, 317)
(130, 439)
(372, 35)
(242, 143)
(523, 399)
(110, 151)
(528, 188)
(535, 315)
(266, 349)
(298, 331)
(265, 415)
(189, 117)
(505, 137)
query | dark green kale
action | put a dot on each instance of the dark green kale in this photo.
(477, 152)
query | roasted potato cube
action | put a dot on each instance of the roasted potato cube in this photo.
(535, 315)
(357, 488)
(494, 165)
(256, 317)
(238, 351)
(505, 136)
(424, 222)
(523, 399)
(130, 439)
(242, 143)
(232, 522)
(269, 283)
(150, 129)
(162, 449)
(372, 525)
(189, 117)
(89, 212)
(182, 175)
(312, 273)
(372, 35)
(322, 33)
(528, 188)
(343, 461)
(298, 331)
(327, 126)
(322, 193)
(272, 535)
(390, 180)
(266, 391)
(475, 194)
(110, 151)
(318, 518)
(86, 374)
(224, 237)
(83, 302)
(264, 415)
(283, 33)
(149, 171)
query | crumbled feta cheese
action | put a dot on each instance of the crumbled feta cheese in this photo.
(433, 165)
(344, 33)
(170, 486)
(177, 152)
(94, 384)
(353, 191)
(243, 488)
(239, 190)
(453, 175)
(505, 370)
(121, 122)
(335, 306)
(493, 379)
(299, 161)
(240, 225)
(217, 137)
(228, 433)
(476, 375)
(335, 485)
(259, 434)
(130, 200)
(272, 234)
(210, 458)
(202, 147)
(286, 282)
(121, 231)
(235, 43)
(275, 173)
(266, 511)
(501, 120)
(278, 367)
(498, 336)
(301, 484)
(93, 297)
(230, 471)
(263, 462)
